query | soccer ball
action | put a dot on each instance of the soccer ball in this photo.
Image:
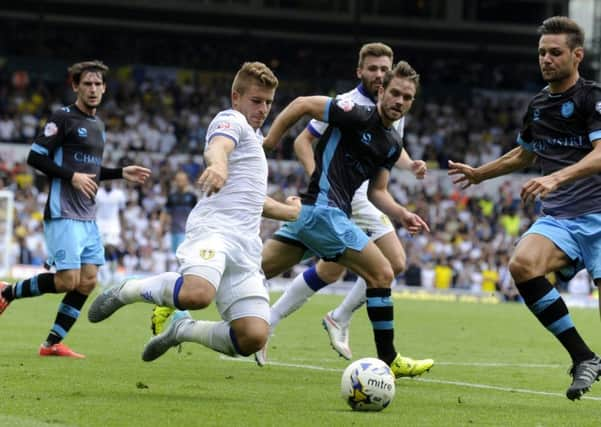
(367, 385)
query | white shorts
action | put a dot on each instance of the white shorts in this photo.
(110, 231)
(112, 238)
(369, 218)
(235, 274)
(247, 307)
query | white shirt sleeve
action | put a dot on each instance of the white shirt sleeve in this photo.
(226, 124)
(317, 128)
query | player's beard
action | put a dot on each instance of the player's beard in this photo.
(387, 116)
(371, 87)
(90, 105)
(557, 75)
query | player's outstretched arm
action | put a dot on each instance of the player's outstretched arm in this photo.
(303, 148)
(512, 161)
(378, 194)
(314, 106)
(417, 167)
(287, 211)
(541, 186)
(136, 174)
(216, 157)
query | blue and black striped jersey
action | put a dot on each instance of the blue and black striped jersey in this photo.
(353, 149)
(560, 129)
(75, 141)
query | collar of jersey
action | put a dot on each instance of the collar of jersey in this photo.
(568, 91)
(365, 93)
(82, 113)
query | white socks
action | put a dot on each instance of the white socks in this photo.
(214, 335)
(155, 289)
(296, 294)
(352, 301)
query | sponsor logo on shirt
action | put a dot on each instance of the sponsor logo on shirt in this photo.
(542, 145)
(366, 138)
(224, 125)
(50, 129)
(87, 158)
(83, 132)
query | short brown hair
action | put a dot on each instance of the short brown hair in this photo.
(563, 25)
(401, 70)
(254, 72)
(95, 66)
(374, 49)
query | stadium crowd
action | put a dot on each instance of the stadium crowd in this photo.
(161, 124)
(467, 248)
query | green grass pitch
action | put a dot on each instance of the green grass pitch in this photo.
(496, 366)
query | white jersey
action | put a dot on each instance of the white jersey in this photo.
(108, 206)
(360, 97)
(235, 211)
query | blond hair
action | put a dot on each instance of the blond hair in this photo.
(94, 66)
(374, 49)
(254, 73)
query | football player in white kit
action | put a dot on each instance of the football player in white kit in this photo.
(110, 202)
(220, 258)
(374, 60)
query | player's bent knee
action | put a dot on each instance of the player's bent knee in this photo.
(380, 278)
(196, 295)
(86, 287)
(196, 300)
(329, 273)
(275, 266)
(269, 268)
(251, 335)
(522, 268)
(398, 266)
(66, 281)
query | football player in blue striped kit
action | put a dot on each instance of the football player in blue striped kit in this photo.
(360, 144)
(562, 133)
(69, 151)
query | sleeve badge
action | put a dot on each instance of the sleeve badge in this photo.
(50, 129)
(345, 104)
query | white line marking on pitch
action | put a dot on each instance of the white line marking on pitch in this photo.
(501, 364)
(476, 364)
(426, 380)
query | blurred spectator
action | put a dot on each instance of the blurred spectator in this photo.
(443, 274)
(413, 273)
(179, 205)
(110, 203)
